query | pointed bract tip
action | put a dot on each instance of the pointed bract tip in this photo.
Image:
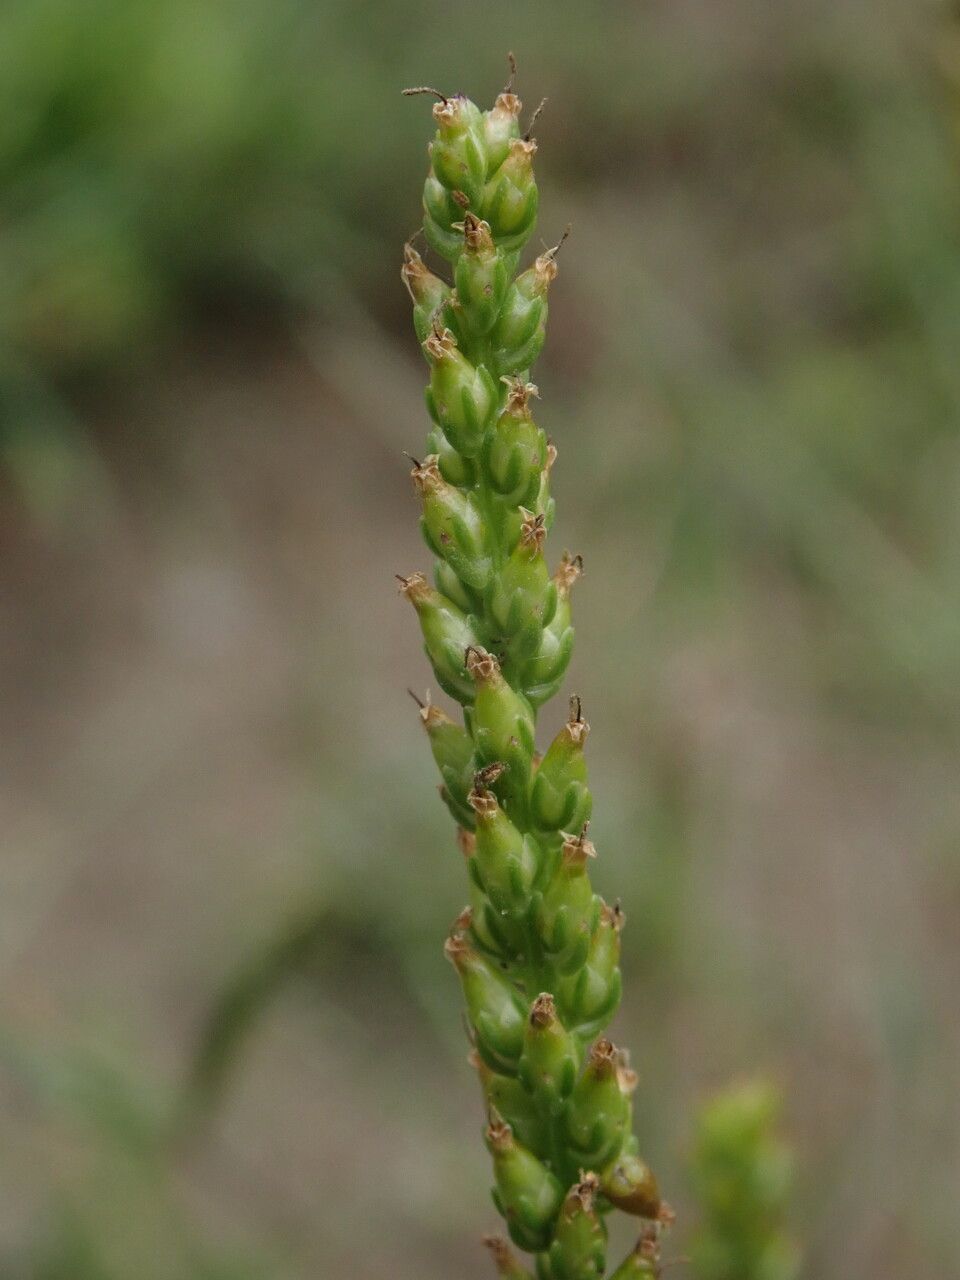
(416, 589)
(577, 849)
(448, 111)
(426, 477)
(439, 342)
(499, 1134)
(482, 802)
(533, 530)
(519, 393)
(604, 1055)
(476, 233)
(507, 104)
(543, 1011)
(569, 572)
(415, 273)
(576, 727)
(522, 151)
(614, 916)
(480, 664)
(583, 1194)
(456, 948)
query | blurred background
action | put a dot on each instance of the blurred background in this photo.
(226, 875)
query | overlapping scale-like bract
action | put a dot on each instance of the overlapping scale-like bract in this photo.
(536, 951)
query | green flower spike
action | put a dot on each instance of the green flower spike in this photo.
(536, 950)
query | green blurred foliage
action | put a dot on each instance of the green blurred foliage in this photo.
(744, 1176)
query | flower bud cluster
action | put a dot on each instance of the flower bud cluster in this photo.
(536, 950)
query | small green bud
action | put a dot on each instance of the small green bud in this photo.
(568, 911)
(516, 450)
(507, 1098)
(509, 199)
(643, 1261)
(458, 153)
(560, 797)
(599, 1111)
(449, 585)
(441, 209)
(524, 597)
(428, 292)
(494, 1008)
(479, 916)
(454, 467)
(502, 726)
(527, 1193)
(521, 326)
(579, 1247)
(452, 525)
(549, 1062)
(506, 860)
(500, 127)
(452, 749)
(546, 669)
(629, 1185)
(445, 629)
(481, 275)
(589, 997)
(462, 399)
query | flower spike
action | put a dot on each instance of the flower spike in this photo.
(536, 950)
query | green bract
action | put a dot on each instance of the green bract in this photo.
(536, 950)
